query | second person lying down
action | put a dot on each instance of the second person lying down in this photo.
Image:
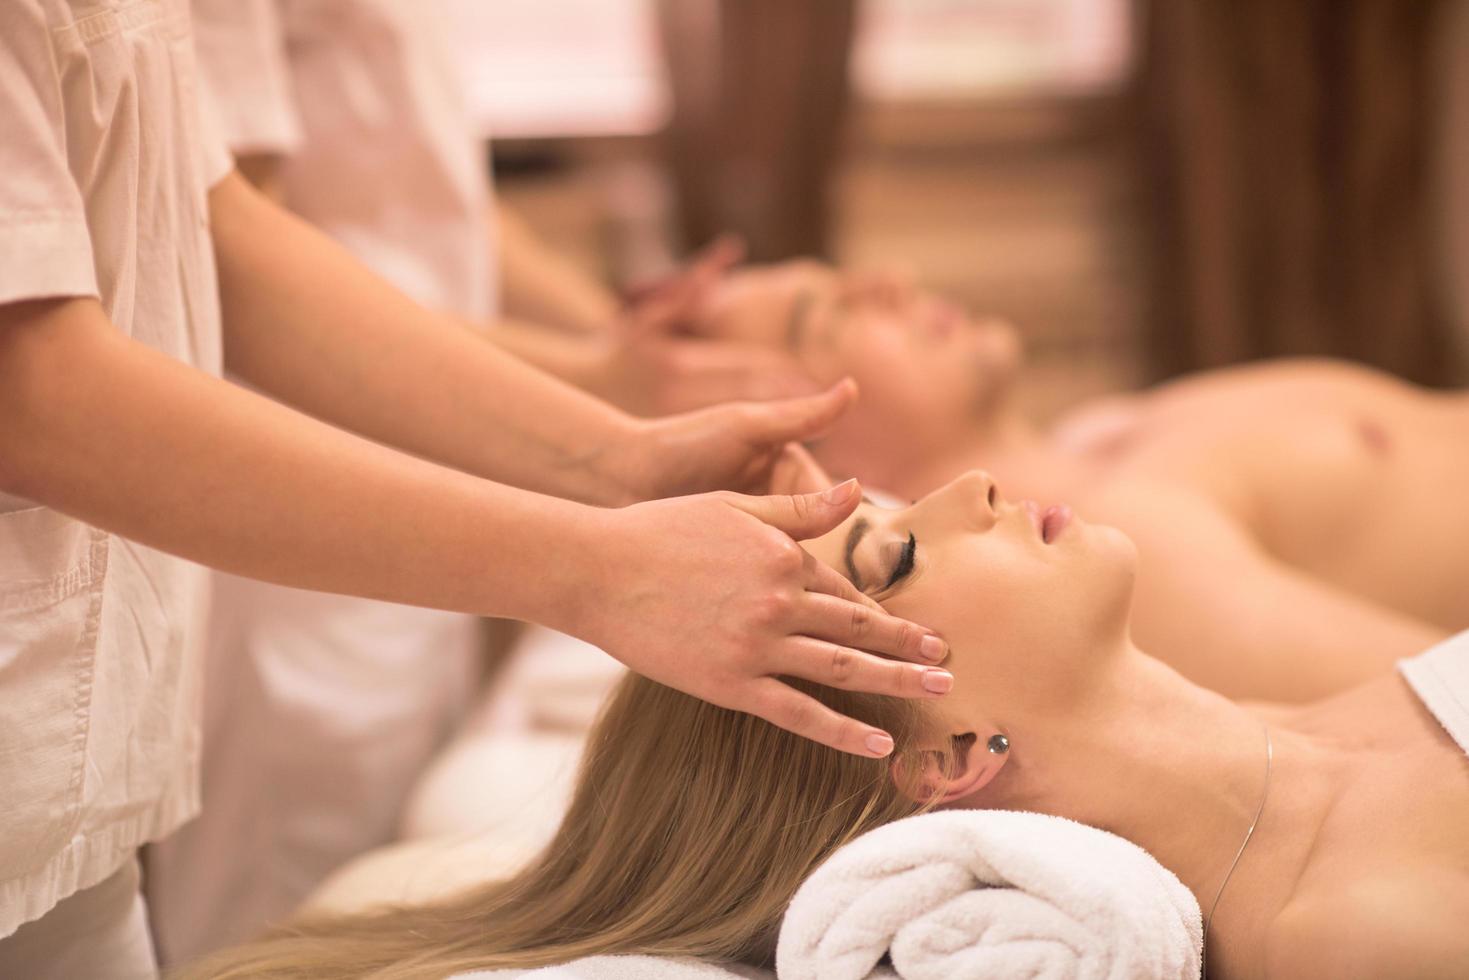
(1295, 519)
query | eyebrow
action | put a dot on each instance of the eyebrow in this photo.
(854, 538)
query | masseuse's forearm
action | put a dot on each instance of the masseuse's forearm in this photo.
(307, 323)
(578, 359)
(101, 427)
(539, 286)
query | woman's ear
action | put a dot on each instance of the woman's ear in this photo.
(952, 772)
(795, 471)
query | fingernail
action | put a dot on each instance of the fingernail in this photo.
(933, 648)
(879, 744)
(937, 681)
(841, 493)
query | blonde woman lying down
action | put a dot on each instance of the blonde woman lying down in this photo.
(691, 827)
(1300, 522)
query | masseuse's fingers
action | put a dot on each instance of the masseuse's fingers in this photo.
(784, 706)
(841, 619)
(802, 515)
(688, 282)
(852, 670)
(796, 471)
(798, 419)
(827, 581)
(710, 263)
(833, 609)
(729, 372)
(699, 373)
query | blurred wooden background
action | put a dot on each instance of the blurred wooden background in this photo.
(1288, 150)
(1235, 179)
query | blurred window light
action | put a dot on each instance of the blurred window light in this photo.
(547, 68)
(909, 50)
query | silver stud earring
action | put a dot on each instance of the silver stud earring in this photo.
(998, 744)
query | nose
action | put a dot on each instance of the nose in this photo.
(891, 288)
(896, 287)
(974, 497)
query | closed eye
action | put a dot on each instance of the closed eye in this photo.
(904, 564)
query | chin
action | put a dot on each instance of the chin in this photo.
(1002, 341)
(1112, 547)
(998, 350)
(1116, 568)
(1100, 554)
(994, 377)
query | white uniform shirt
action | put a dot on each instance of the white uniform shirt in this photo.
(104, 171)
(321, 711)
(364, 103)
(377, 74)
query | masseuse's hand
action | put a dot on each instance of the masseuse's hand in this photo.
(711, 595)
(652, 364)
(651, 373)
(693, 279)
(734, 446)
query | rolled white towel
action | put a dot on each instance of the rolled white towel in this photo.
(968, 894)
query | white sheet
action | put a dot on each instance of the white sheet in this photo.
(1440, 678)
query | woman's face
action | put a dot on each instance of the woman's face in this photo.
(926, 369)
(1027, 595)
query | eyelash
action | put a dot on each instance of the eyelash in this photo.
(905, 562)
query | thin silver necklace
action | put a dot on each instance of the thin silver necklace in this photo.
(1204, 944)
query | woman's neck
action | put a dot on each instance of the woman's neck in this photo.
(1181, 772)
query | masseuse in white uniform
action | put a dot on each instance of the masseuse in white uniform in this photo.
(321, 710)
(134, 264)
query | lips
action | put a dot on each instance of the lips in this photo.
(1050, 522)
(1054, 521)
(1033, 511)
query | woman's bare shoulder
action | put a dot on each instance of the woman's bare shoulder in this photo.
(1399, 926)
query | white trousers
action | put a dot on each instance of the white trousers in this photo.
(100, 933)
(320, 712)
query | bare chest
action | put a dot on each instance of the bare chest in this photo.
(1405, 812)
(1294, 446)
(1394, 849)
(1341, 473)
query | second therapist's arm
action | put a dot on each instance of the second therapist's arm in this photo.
(307, 323)
(707, 593)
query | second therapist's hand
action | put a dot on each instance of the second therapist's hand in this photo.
(652, 362)
(711, 595)
(735, 446)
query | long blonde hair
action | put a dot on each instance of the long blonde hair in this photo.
(690, 829)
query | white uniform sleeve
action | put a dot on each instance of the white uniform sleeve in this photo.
(45, 249)
(246, 75)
